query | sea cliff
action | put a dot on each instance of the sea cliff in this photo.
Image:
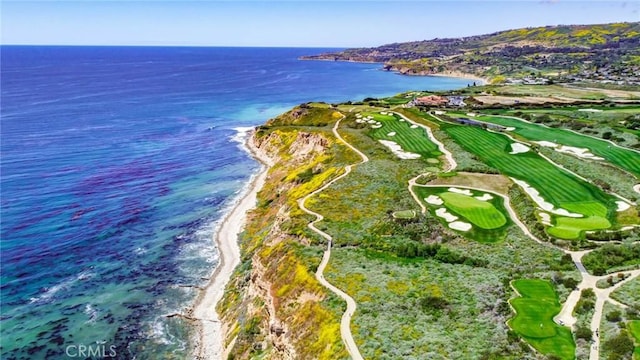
(273, 305)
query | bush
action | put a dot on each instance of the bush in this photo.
(583, 332)
(620, 345)
(614, 316)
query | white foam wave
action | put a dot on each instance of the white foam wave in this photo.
(50, 292)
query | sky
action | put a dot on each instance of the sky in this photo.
(293, 23)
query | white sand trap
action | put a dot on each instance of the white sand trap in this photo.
(393, 133)
(510, 128)
(471, 114)
(376, 126)
(622, 205)
(545, 218)
(402, 120)
(590, 110)
(447, 216)
(434, 200)
(414, 126)
(397, 150)
(358, 115)
(437, 112)
(359, 121)
(544, 205)
(484, 197)
(460, 191)
(460, 226)
(579, 152)
(546, 143)
(517, 148)
(371, 121)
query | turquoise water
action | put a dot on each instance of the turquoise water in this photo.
(117, 163)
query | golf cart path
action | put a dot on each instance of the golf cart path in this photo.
(345, 323)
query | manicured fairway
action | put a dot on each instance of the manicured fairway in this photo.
(480, 213)
(535, 309)
(556, 186)
(624, 158)
(634, 329)
(413, 140)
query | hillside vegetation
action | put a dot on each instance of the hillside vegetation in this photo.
(608, 51)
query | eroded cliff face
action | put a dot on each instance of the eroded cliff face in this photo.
(273, 306)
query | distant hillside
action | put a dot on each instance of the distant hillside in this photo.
(543, 51)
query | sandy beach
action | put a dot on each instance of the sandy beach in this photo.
(209, 341)
(457, 74)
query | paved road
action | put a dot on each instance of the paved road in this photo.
(345, 323)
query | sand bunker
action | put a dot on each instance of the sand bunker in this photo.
(546, 143)
(484, 197)
(471, 114)
(460, 191)
(447, 216)
(376, 126)
(575, 151)
(622, 205)
(414, 126)
(439, 112)
(517, 148)
(544, 205)
(393, 133)
(545, 218)
(397, 150)
(434, 200)
(460, 226)
(579, 152)
(590, 110)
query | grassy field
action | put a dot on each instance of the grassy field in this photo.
(624, 158)
(487, 217)
(413, 140)
(535, 309)
(634, 330)
(558, 187)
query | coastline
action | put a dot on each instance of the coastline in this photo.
(450, 74)
(209, 338)
(461, 75)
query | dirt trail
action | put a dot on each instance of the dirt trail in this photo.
(345, 323)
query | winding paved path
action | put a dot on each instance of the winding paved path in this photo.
(345, 323)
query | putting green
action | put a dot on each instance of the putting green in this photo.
(480, 213)
(404, 214)
(535, 309)
(571, 228)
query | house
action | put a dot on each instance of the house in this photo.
(431, 100)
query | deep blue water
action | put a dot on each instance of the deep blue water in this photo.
(116, 163)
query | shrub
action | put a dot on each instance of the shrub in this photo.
(583, 332)
(614, 316)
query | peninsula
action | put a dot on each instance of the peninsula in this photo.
(496, 221)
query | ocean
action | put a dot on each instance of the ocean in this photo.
(117, 164)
